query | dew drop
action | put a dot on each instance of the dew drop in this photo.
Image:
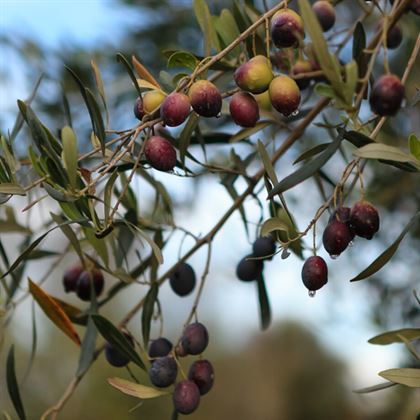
(351, 243)
(295, 113)
(311, 293)
(334, 257)
(219, 115)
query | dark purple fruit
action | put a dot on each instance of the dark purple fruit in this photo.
(138, 109)
(163, 372)
(175, 109)
(160, 347)
(71, 275)
(302, 67)
(249, 269)
(364, 219)
(205, 98)
(202, 374)
(284, 95)
(182, 281)
(160, 153)
(264, 247)
(314, 273)
(83, 287)
(342, 214)
(387, 95)
(336, 237)
(286, 29)
(195, 338)
(186, 397)
(394, 36)
(244, 109)
(113, 355)
(325, 13)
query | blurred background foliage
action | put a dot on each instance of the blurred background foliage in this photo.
(284, 373)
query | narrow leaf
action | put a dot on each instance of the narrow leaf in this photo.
(311, 152)
(147, 314)
(414, 146)
(70, 154)
(247, 132)
(387, 254)
(12, 385)
(404, 376)
(273, 224)
(117, 339)
(123, 60)
(265, 310)
(135, 390)
(385, 152)
(374, 388)
(307, 170)
(144, 73)
(53, 311)
(88, 348)
(185, 137)
(14, 189)
(390, 337)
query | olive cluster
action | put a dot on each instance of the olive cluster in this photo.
(345, 223)
(163, 371)
(83, 281)
(251, 266)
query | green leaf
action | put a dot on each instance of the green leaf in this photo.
(265, 310)
(53, 311)
(414, 146)
(34, 244)
(19, 119)
(108, 194)
(385, 152)
(359, 41)
(327, 62)
(12, 385)
(182, 59)
(124, 61)
(390, 337)
(247, 132)
(100, 85)
(147, 314)
(374, 388)
(268, 166)
(351, 81)
(96, 118)
(69, 233)
(135, 390)
(99, 245)
(88, 347)
(274, 224)
(14, 189)
(307, 170)
(404, 376)
(185, 137)
(70, 154)
(387, 254)
(205, 21)
(156, 251)
(117, 339)
(228, 31)
(311, 152)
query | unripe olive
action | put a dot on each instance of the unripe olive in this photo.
(255, 75)
(302, 67)
(175, 109)
(205, 98)
(160, 153)
(244, 109)
(286, 28)
(152, 100)
(284, 95)
(263, 100)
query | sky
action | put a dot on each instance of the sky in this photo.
(88, 22)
